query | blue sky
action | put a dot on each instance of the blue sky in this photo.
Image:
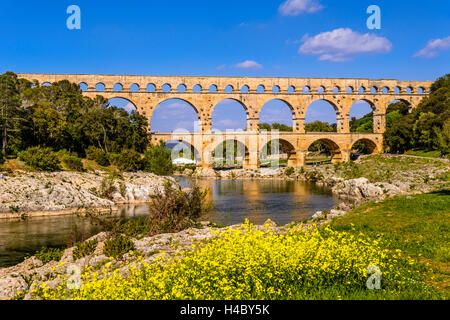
(298, 38)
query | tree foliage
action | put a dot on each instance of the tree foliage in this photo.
(426, 127)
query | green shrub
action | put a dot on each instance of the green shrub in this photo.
(107, 187)
(113, 158)
(83, 249)
(130, 160)
(289, 171)
(49, 254)
(98, 155)
(137, 228)
(73, 163)
(159, 160)
(43, 159)
(174, 210)
(117, 246)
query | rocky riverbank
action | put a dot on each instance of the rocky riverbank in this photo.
(370, 177)
(35, 193)
(18, 282)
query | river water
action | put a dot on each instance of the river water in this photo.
(234, 200)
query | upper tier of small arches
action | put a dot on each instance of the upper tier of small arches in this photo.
(177, 84)
(213, 88)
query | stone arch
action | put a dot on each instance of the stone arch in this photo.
(365, 146)
(230, 100)
(386, 90)
(276, 89)
(118, 87)
(333, 148)
(151, 87)
(213, 88)
(181, 88)
(188, 150)
(229, 89)
(291, 89)
(420, 90)
(321, 89)
(134, 87)
(373, 90)
(166, 87)
(83, 86)
(283, 146)
(336, 89)
(349, 89)
(245, 89)
(216, 150)
(362, 90)
(400, 100)
(372, 108)
(124, 103)
(175, 100)
(100, 86)
(306, 89)
(397, 90)
(197, 88)
(336, 109)
(285, 103)
(260, 89)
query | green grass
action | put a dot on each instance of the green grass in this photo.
(424, 153)
(418, 226)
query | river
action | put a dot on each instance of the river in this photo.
(234, 200)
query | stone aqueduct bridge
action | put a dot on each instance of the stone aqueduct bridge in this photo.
(340, 93)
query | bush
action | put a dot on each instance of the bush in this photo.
(159, 160)
(48, 254)
(43, 159)
(117, 246)
(113, 158)
(136, 228)
(130, 160)
(73, 163)
(83, 249)
(98, 155)
(174, 210)
(107, 188)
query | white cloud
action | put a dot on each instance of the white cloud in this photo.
(341, 44)
(249, 64)
(129, 107)
(221, 67)
(295, 7)
(433, 48)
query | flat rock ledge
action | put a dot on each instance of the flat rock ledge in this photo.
(36, 192)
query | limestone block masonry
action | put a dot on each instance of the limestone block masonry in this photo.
(204, 93)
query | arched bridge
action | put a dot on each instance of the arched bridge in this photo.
(204, 93)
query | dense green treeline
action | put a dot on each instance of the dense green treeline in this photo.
(59, 118)
(427, 126)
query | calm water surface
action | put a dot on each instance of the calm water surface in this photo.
(234, 200)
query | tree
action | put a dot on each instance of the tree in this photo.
(158, 159)
(319, 126)
(423, 128)
(10, 107)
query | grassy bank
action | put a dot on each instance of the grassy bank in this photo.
(418, 225)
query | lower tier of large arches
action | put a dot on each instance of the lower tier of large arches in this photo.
(251, 147)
